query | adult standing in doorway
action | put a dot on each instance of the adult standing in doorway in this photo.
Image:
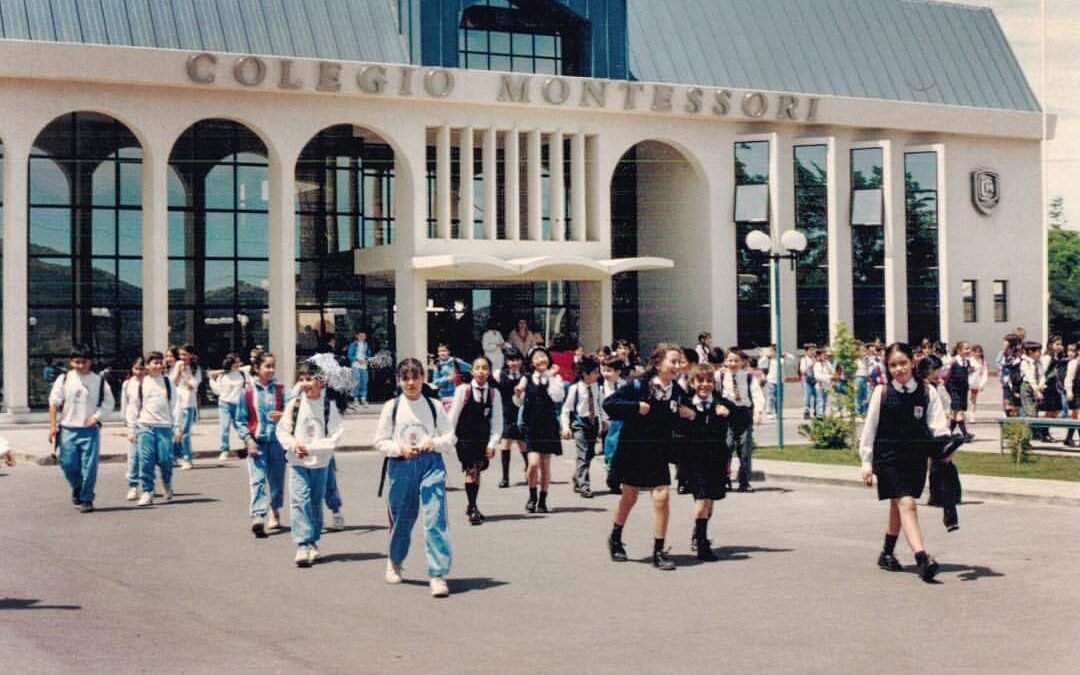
(522, 339)
(493, 345)
(358, 355)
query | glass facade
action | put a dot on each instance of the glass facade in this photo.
(345, 201)
(921, 202)
(752, 213)
(812, 219)
(969, 296)
(496, 35)
(868, 243)
(624, 230)
(1001, 300)
(219, 249)
(85, 246)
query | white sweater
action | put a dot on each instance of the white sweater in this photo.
(414, 424)
(312, 424)
(229, 387)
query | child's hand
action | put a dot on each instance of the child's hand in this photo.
(687, 413)
(301, 450)
(178, 436)
(490, 452)
(757, 418)
(275, 416)
(53, 430)
(426, 445)
(252, 447)
(722, 411)
(408, 452)
(868, 477)
(566, 435)
(643, 408)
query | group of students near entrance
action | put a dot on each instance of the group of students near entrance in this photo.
(675, 408)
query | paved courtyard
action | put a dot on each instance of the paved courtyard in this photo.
(184, 587)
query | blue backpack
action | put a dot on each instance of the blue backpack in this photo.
(611, 440)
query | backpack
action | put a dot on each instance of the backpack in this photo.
(614, 429)
(252, 411)
(424, 394)
(168, 392)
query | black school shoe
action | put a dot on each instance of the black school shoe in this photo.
(887, 561)
(86, 507)
(504, 483)
(704, 551)
(474, 517)
(928, 568)
(951, 519)
(530, 506)
(617, 550)
(661, 561)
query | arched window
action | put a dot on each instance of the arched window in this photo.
(500, 35)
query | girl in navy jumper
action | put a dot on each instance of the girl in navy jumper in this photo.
(649, 408)
(905, 424)
(477, 418)
(538, 394)
(957, 386)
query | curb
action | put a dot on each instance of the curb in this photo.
(1053, 500)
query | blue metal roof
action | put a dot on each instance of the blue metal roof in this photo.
(903, 50)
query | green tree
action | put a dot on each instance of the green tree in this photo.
(1063, 267)
(837, 428)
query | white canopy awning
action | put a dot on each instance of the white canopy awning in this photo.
(465, 266)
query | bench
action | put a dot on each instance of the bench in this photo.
(1047, 422)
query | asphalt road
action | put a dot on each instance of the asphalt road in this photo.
(185, 588)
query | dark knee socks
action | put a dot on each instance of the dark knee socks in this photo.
(701, 528)
(616, 532)
(658, 545)
(890, 543)
(543, 498)
(963, 427)
(532, 494)
(471, 490)
(505, 457)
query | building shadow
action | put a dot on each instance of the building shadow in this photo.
(28, 603)
(360, 528)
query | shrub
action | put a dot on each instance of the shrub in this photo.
(832, 431)
(1016, 436)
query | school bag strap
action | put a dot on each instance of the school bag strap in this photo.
(431, 406)
(326, 414)
(168, 392)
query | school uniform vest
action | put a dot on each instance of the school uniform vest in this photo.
(902, 430)
(474, 424)
(539, 415)
(506, 386)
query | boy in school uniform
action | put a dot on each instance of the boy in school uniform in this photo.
(580, 420)
(78, 403)
(1032, 382)
(737, 386)
(150, 422)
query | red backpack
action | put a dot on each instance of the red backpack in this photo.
(253, 413)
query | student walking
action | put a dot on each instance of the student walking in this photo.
(258, 413)
(78, 403)
(476, 416)
(538, 394)
(977, 376)
(128, 392)
(957, 387)
(185, 377)
(580, 420)
(152, 426)
(414, 432)
(738, 386)
(806, 377)
(228, 384)
(507, 380)
(359, 353)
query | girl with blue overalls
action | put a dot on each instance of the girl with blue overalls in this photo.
(309, 417)
(257, 415)
(414, 432)
(228, 384)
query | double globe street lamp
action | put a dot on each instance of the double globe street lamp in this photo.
(792, 244)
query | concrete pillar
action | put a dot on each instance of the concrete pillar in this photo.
(838, 191)
(945, 284)
(442, 182)
(155, 245)
(282, 184)
(534, 189)
(577, 188)
(410, 298)
(16, 316)
(511, 147)
(465, 186)
(491, 178)
(894, 197)
(557, 194)
(597, 316)
(724, 298)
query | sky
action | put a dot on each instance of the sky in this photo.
(1021, 22)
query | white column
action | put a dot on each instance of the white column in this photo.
(599, 168)
(724, 310)
(895, 242)
(155, 245)
(577, 187)
(838, 195)
(944, 283)
(535, 190)
(557, 195)
(511, 147)
(491, 177)
(783, 215)
(465, 186)
(16, 316)
(282, 180)
(410, 298)
(442, 182)
(597, 316)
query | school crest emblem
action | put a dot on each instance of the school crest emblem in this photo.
(919, 412)
(985, 190)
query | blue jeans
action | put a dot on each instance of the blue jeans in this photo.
(226, 421)
(306, 488)
(79, 460)
(809, 397)
(417, 483)
(862, 398)
(771, 389)
(361, 376)
(155, 450)
(133, 465)
(267, 475)
(741, 442)
(822, 401)
(333, 497)
(183, 448)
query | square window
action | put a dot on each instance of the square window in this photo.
(867, 207)
(751, 204)
(48, 182)
(49, 282)
(103, 184)
(179, 226)
(181, 282)
(50, 230)
(219, 193)
(252, 235)
(129, 282)
(253, 189)
(545, 45)
(130, 184)
(499, 43)
(103, 282)
(220, 283)
(476, 41)
(523, 44)
(1001, 300)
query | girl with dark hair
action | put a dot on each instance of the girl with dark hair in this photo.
(539, 395)
(257, 416)
(228, 383)
(414, 432)
(905, 424)
(128, 395)
(649, 408)
(1072, 389)
(477, 418)
(186, 376)
(958, 384)
(1008, 363)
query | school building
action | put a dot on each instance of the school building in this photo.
(232, 173)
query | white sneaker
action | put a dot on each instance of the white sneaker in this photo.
(168, 493)
(133, 494)
(223, 456)
(393, 573)
(185, 464)
(301, 558)
(147, 499)
(338, 522)
(312, 554)
(439, 589)
(364, 402)
(272, 522)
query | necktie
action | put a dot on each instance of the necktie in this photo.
(592, 404)
(735, 386)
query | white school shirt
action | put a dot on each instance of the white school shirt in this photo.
(977, 374)
(413, 426)
(1032, 373)
(155, 410)
(824, 372)
(607, 389)
(490, 342)
(1070, 377)
(772, 368)
(76, 396)
(229, 386)
(935, 417)
(311, 425)
(806, 366)
(478, 393)
(749, 388)
(577, 397)
(554, 387)
(185, 398)
(702, 353)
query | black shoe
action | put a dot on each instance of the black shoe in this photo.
(727, 484)
(927, 568)
(475, 518)
(806, 415)
(969, 438)
(541, 506)
(586, 492)
(951, 519)
(530, 506)
(86, 507)
(504, 483)
(479, 515)
(887, 561)
(746, 488)
(617, 550)
(258, 528)
(705, 552)
(661, 561)
(1072, 443)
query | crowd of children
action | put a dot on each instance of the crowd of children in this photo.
(694, 407)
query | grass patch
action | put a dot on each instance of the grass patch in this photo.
(972, 463)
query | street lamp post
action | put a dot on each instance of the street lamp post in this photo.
(793, 243)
